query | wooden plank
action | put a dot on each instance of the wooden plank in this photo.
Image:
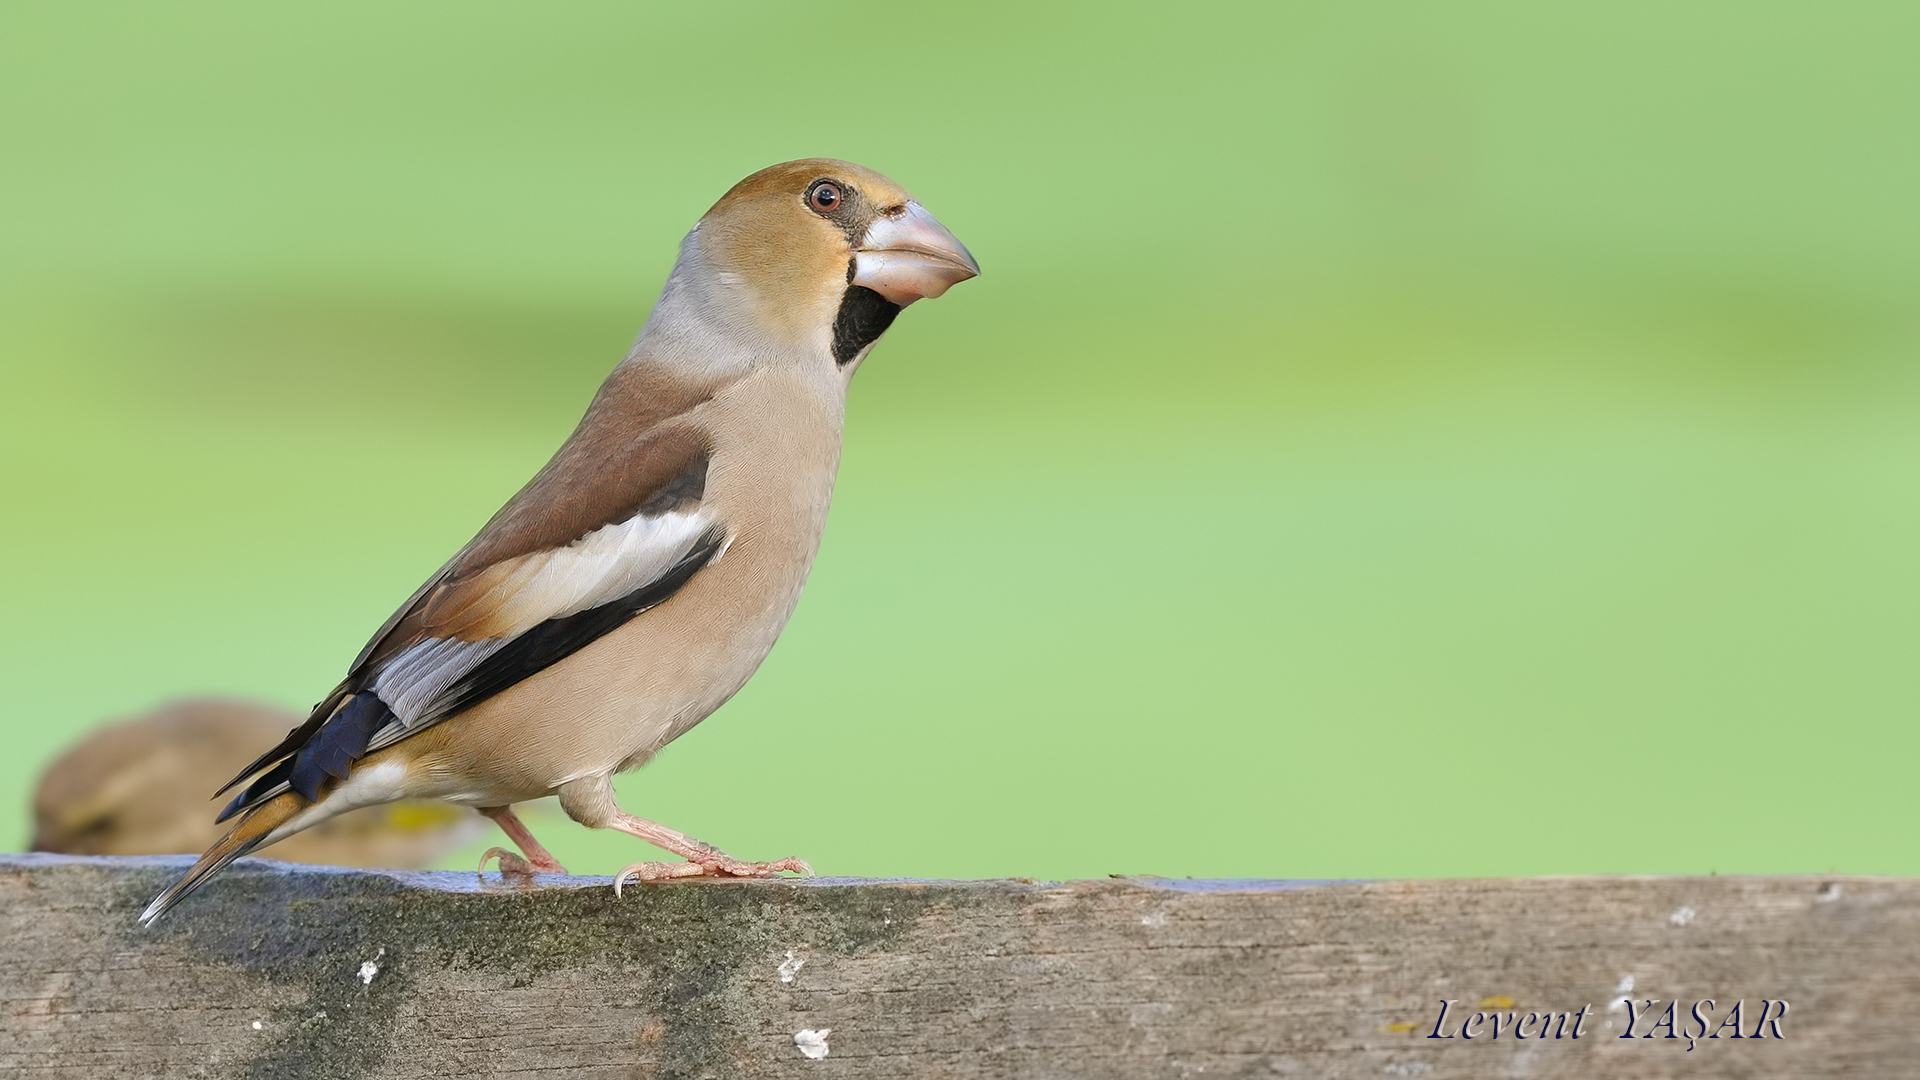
(279, 970)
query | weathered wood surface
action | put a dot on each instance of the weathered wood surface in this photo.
(288, 971)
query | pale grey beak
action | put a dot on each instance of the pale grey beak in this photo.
(910, 256)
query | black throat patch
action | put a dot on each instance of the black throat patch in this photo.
(864, 316)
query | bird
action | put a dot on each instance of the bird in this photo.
(139, 786)
(640, 577)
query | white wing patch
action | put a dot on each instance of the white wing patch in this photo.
(600, 567)
(606, 564)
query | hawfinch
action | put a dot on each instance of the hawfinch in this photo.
(638, 579)
(139, 787)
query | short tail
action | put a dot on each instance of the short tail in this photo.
(247, 833)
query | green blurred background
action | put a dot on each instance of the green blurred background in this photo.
(1388, 439)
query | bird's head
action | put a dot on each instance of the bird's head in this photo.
(814, 258)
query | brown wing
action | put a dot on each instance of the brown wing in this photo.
(617, 506)
(637, 451)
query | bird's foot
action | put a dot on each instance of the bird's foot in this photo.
(538, 860)
(513, 865)
(709, 866)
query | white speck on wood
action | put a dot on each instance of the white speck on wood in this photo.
(812, 1043)
(372, 967)
(1154, 918)
(1828, 893)
(1625, 988)
(1681, 916)
(256, 1025)
(790, 966)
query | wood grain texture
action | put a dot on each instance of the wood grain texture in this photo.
(262, 975)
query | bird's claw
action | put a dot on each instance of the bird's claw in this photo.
(722, 866)
(512, 865)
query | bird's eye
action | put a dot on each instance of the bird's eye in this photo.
(824, 197)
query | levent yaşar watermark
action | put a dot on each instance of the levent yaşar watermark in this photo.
(1695, 1023)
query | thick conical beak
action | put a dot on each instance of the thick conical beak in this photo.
(908, 256)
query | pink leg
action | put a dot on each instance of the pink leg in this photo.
(538, 859)
(703, 859)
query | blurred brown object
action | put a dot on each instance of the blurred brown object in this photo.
(145, 787)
